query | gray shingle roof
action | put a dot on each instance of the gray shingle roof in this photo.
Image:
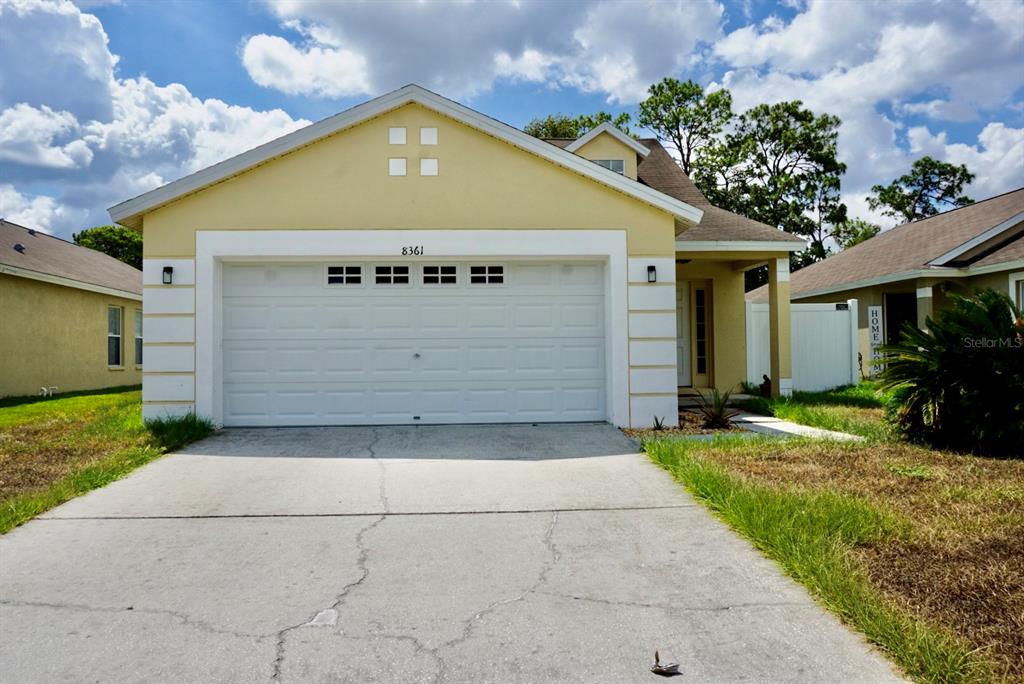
(49, 255)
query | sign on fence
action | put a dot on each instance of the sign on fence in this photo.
(876, 331)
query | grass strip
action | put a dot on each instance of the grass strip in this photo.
(809, 533)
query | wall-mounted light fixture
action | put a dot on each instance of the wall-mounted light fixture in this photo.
(652, 274)
(168, 275)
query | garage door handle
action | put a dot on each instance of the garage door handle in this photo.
(416, 355)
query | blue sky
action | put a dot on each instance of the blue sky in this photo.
(101, 101)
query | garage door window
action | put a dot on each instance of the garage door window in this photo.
(440, 275)
(392, 275)
(344, 275)
(486, 275)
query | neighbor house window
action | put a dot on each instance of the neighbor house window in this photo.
(616, 165)
(391, 275)
(344, 275)
(486, 275)
(138, 337)
(115, 314)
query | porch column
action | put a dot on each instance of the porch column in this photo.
(925, 301)
(779, 327)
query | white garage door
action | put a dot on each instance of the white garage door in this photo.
(346, 343)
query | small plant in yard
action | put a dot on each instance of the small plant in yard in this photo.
(959, 384)
(659, 423)
(919, 472)
(716, 410)
(174, 433)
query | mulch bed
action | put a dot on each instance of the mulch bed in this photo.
(690, 423)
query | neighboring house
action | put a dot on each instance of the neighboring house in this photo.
(70, 317)
(413, 261)
(906, 273)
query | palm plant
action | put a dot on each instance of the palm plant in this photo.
(960, 382)
(714, 406)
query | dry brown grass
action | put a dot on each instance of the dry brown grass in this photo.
(961, 564)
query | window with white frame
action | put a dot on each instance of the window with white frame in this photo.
(428, 136)
(396, 135)
(487, 275)
(616, 165)
(428, 167)
(440, 275)
(391, 275)
(396, 166)
(344, 275)
(138, 337)
(115, 316)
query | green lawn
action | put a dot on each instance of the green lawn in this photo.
(919, 550)
(55, 449)
(856, 409)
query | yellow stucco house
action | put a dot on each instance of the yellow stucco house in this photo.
(413, 261)
(907, 273)
(70, 317)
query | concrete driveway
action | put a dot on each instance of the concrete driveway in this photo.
(421, 554)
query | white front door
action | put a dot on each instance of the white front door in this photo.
(683, 334)
(360, 342)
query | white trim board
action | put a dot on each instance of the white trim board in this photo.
(66, 282)
(215, 247)
(978, 240)
(128, 212)
(613, 131)
(933, 272)
(739, 246)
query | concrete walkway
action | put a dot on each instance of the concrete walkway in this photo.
(776, 427)
(444, 554)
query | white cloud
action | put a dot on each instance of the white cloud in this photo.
(273, 62)
(99, 138)
(872, 63)
(461, 49)
(39, 212)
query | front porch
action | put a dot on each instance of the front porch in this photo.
(710, 317)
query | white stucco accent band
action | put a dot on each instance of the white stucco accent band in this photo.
(167, 300)
(643, 409)
(158, 410)
(159, 388)
(652, 380)
(665, 267)
(659, 324)
(215, 247)
(652, 352)
(184, 271)
(168, 329)
(163, 358)
(652, 298)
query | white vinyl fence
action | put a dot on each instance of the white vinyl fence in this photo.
(824, 344)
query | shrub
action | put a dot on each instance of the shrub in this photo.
(173, 433)
(715, 409)
(959, 384)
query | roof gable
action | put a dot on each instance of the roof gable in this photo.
(614, 132)
(130, 211)
(46, 255)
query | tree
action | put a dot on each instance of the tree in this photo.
(564, 126)
(684, 116)
(779, 166)
(854, 232)
(931, 186)
(121, 243)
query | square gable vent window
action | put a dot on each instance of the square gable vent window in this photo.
(396, 167)
(428, 167)
(396, 136)
(428, 136)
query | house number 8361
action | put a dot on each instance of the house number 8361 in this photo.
(412, 251)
